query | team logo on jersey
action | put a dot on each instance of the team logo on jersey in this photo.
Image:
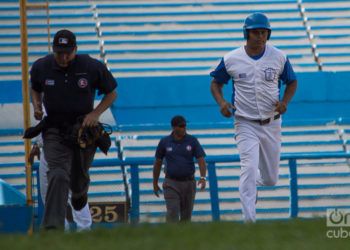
(188, 148)
(270, 74)
(82, 83)
(169, 149)
(242, 75)
(49, 82)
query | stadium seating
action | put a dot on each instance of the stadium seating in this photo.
(76, 16)
(178, 38)
(328, 25)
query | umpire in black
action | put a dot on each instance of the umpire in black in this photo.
(65, 83)
(179, 150)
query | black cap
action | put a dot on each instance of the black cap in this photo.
(64, 41)
(178, 121)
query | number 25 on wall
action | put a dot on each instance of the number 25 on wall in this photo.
(104, 213)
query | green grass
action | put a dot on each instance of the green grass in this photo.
(281, 235)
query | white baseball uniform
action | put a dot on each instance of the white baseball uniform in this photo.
(256, 90)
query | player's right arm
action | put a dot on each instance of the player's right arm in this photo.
(37, 104)
(156, 172)
(36, 90)
(157, 166)
(221, 77)
(216, 91)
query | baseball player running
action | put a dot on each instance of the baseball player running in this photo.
(256, 70)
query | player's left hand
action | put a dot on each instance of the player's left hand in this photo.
(156, 189)
(38, 113)
(35, 151)
(281, 107)
(202, 183)
(91, 120)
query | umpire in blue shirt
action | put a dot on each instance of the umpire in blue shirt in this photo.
(65, 83)
(179, 150)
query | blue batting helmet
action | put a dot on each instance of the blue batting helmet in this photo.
(256, 21)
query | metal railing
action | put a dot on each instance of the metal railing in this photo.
(212, 161)
(292, 159)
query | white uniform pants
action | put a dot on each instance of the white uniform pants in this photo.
(82, 218)
(259, 148)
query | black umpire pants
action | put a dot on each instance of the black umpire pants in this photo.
(68, 169)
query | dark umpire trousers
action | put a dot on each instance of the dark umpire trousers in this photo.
(68, 169)
(179, 198)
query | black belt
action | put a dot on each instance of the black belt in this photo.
(268, 120)
(180, 178)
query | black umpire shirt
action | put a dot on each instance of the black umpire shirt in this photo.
(70, 92)
(179, 155)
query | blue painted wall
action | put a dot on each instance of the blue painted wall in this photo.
(10, 92)
(157, 99)
(322, 97)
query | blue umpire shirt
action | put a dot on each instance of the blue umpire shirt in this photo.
(179, 155)
(70, 92)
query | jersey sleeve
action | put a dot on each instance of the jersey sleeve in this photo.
(34, 79)
(288, 74)
(107, 83)
(220, 73)
(198, 149)
(160, 151)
